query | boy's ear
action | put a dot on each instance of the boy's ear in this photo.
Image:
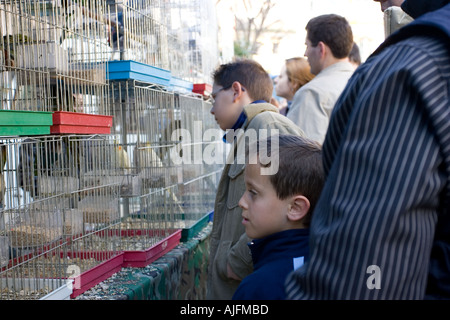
(238, 89)
(298, 208)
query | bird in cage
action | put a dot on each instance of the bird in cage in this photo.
(116, 34)
(37, 159)
(9, 44)
(120, 157)
(146, 156)
(64, 98)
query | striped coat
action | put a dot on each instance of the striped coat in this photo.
(385, 207)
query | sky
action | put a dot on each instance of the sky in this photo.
(364, 16)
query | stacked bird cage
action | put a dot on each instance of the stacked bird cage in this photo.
(52, 62)
(137, 33)
(35, 188)
(201, 154)
(56, 211)
(144, 118)
(95, 203)
(53, 55)
(90, 167)
(193, 23)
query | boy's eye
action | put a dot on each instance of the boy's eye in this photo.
(252, 192)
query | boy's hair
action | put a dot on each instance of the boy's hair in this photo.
(334, 31)
(250, 74)
(300, 168)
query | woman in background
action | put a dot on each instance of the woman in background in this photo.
(293, 75)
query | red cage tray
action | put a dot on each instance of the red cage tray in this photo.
(202, 88)
(94, 276)
(140, 259)
(135, 259)
(81, 123)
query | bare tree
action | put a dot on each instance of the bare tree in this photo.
(252, 21)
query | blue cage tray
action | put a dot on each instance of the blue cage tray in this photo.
(128, 69)
(180, 85)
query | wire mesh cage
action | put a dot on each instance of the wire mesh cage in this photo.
(161, 132)
(53, 55)
(71, 201)
(203, 168)
(52, 213)
(192, 28)
(137, 33)
(144, 118)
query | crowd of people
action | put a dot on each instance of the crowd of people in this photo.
(359, 204)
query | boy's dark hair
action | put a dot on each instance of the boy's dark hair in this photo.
(300, 168)
(334, 31)
(250, 74)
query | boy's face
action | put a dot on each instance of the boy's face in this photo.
(226, 109)
(262, 212)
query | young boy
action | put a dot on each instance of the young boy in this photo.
(277, 212)
(241, 91)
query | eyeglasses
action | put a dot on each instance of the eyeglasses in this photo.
(214, 94)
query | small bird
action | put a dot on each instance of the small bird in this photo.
(121, 157)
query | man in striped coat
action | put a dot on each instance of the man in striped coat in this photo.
(381, 229)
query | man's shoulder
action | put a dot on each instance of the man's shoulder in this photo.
(327, 79)
(337, 73)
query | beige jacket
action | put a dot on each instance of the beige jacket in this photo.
(313, 103)
(228, 238)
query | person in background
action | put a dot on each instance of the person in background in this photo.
(355, 57)
(394, 17)
(276, 212)
(295, 73)
(241, 93)
(385, 4)
(329, 39)
(381, 229)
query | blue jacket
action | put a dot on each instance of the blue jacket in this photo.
(274, 257)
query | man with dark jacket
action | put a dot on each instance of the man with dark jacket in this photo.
(381, 229)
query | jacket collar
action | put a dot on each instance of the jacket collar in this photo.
(250, 111)
(284, 244)
(416, 8)
(253, 109)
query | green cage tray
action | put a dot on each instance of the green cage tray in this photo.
(190, 232)
(25, 123)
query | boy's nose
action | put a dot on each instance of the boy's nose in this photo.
(242, 203)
